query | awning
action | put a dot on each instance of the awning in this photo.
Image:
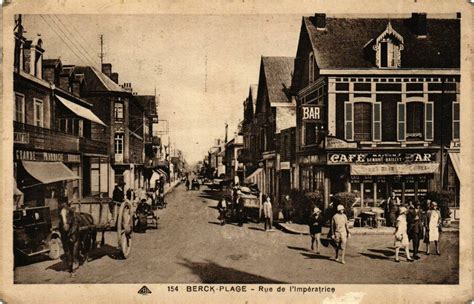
(80, 110)
(154, 177)
(49, 172)
(456, 161)
(162, 172)
(395, 169)
(252, 177)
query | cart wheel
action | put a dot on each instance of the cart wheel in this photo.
(55, 249)
(124, 228)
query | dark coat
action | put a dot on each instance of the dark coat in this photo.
(415, 222)
(117, 195)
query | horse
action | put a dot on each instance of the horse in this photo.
(78, 236)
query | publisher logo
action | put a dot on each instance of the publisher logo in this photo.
(144, 291)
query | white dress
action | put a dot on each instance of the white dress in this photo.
(401, 231)
(433, 226)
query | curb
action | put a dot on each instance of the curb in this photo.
(171, 188)
(354, 231)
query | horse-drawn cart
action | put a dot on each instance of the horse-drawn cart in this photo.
(109, 216)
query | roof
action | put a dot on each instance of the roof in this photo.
(341, 44)
(52, 62)
(96, 81)
(278, 72)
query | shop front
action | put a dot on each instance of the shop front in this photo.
(374, 175)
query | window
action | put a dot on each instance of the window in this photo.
(349, 121)
(38, 112)
(118, 143)
(20, 108)
(312, 133)
(118, 111)
(456, 122)
(414, 120)
(388, 47)
(311, 67)
(401, 121)
(73, 126)
(362, 121)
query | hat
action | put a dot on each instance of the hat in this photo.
(403, 210)
(434, 204)
(340, 207)
(316, 210)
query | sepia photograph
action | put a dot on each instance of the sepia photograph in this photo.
(308, 148)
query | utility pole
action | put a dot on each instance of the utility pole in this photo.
(226, 128)
(102, 54)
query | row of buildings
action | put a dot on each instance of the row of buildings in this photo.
(78, 132)
(366, 105)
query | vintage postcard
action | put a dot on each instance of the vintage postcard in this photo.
(236, 152)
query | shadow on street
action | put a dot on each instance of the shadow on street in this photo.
(210, 272)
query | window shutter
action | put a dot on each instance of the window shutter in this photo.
(401, 121)
(348, 121)
(429, 121)
(456, 126)
(377, 121)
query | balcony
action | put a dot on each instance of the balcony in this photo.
(44, 139)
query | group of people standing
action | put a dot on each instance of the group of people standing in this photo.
(415, 225)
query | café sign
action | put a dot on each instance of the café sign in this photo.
(380, 158)
(311, 112)
(46, 156)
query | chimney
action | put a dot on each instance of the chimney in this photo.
(320, 21)
(64, 81)
(107, 69)
(419, 24)
(114, 77)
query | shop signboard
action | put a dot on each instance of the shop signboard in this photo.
(46, 156)
(312, 112)
(312, 159)
(394, 169)
(340, 158)
(337, 143)
(285, 165)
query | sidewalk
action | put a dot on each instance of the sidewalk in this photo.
(304, 229)
(170, 186)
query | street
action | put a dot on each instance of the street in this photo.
(191, 247)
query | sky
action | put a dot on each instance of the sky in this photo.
(200, 65)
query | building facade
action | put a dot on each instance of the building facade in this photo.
(378, 105)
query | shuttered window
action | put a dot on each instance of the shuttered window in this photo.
(414, 120)
(401, 121)
(377, 122)
(348, 122)
(363, 121)
(429, 121)
(456, 120)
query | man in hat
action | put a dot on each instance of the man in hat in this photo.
(315, 227)
(415, 227)
(340, 232)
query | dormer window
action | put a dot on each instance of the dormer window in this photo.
(388, 47)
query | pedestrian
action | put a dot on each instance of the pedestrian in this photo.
(433, 226)
(222, 207)
(268, 214)
(240, 208)
(287, 205)
(401, 236)
(393, 203)
(340, 232)
(315, 227)
(415, 227)
(130, 195)
(187, 184)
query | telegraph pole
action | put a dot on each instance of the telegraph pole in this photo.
(102, 54)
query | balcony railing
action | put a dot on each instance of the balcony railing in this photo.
(46, 139)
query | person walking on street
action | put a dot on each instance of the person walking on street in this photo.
(315, 227)
(187, 184)
(401, 236)
(240, 208)
(340, 232)
(287, 205)
(268, 213)
(393, 203)
(222, 207)
(415, 227)
(433, 226)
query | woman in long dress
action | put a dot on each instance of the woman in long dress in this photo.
(433, 218)
(401, 236)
